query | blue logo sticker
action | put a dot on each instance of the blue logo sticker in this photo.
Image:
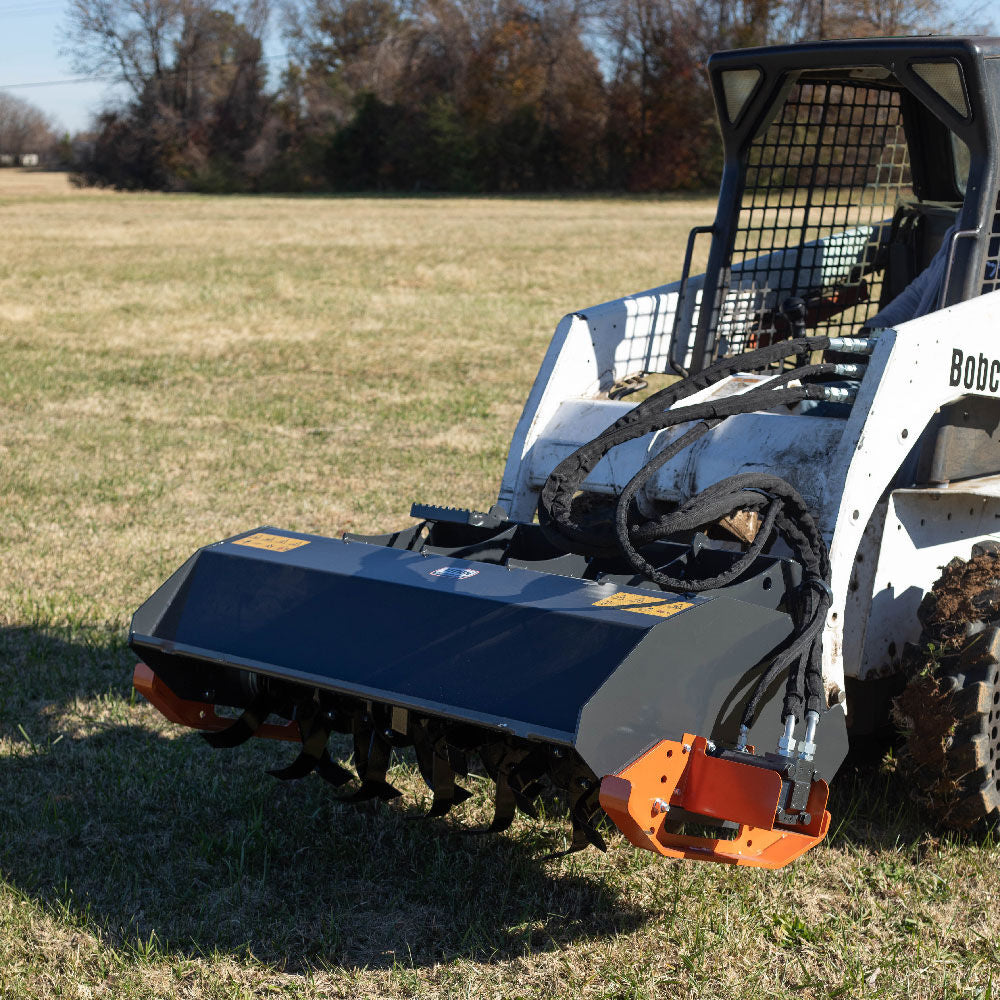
(454, 572)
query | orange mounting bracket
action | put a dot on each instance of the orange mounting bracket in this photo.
(639, 798)
(198, 714)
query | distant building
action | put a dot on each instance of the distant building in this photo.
(19, 159)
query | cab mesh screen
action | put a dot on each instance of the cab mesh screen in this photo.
(991, 274)
(821, 186)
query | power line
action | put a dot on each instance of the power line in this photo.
(111, 77)
(56, 83)
(21, 7)
(22, 10)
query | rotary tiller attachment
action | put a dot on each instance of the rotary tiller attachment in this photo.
(467, 636)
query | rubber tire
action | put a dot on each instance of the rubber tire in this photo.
(973, 759)
(957, 776)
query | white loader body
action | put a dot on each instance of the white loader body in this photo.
(887, 546)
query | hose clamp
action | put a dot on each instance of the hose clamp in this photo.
(820, 584)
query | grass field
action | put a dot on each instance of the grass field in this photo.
(176, 369)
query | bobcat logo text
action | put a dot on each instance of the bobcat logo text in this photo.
(980, 373)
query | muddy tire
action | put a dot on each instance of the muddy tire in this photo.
(949, 712)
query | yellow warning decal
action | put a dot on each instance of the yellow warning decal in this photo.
(643, 604)
(273, 543)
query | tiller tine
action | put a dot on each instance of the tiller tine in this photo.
(504, 805)
(517, 773)
(459, 761)
(584, 810)
(331, 772)
(314, 756)
(434, 764)
(244, 728)
(372, 754)
(442, 804)
(501, 765)
(526, 780)
(781, 809)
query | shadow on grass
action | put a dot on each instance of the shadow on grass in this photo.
(873, 805)
(165, 846)
(158, 838)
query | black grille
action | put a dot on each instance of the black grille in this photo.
(991, 272)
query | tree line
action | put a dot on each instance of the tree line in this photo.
(429, 95)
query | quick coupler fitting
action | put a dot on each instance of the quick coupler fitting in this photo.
(854, 345)
(850, 371)
(807, 745)
(787, 744)
(837, 394)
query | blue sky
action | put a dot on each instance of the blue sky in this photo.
(29, 53)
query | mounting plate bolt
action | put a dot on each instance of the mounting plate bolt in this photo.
(659, 806)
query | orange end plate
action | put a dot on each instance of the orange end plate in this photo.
(639, 798)
(198, 714)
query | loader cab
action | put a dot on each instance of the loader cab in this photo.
(845, 166)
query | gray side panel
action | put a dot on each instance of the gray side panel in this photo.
(149, 618)
(681, 678)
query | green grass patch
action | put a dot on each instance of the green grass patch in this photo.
(176, 369)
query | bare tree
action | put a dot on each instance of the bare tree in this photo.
(140, 42)
(340, 49)
(798, 20)
(861, 18)
(662, 132)
(23, 127)
(130, 40)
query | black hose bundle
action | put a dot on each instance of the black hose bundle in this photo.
(782, 509)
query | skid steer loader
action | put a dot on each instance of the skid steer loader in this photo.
(680, 612)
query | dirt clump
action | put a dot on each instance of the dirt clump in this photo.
(968, 591)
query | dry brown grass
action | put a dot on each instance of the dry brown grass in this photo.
(175, 369)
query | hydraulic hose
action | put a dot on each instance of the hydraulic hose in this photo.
(782, 509)
(555, 513)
